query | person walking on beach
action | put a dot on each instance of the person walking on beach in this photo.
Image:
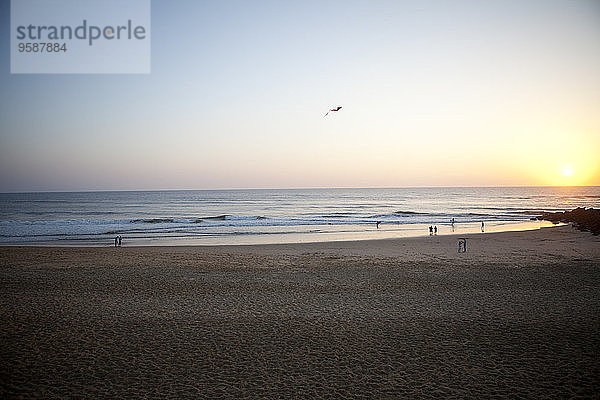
(119, 240)
(430, 230)
(435, 230)
(116, 240)
(378, 222)
(462, 245)
(482, 227)
(452, 222)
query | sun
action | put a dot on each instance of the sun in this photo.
(565, 175)
(567, 171)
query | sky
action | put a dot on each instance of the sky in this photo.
(434, 93)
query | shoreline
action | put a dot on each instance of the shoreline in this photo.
(565, 239)
(407, 231)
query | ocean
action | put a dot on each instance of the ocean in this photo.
(214, 217)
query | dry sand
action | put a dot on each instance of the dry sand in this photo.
(517, 316)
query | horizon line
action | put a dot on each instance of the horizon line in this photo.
(295, 188)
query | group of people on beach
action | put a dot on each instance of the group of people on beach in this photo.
(433, 229)
(118, 241)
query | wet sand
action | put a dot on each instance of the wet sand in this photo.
(517, 316)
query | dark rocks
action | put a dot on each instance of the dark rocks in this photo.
(584, 219)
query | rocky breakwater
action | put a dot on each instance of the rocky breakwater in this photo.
(585, 219)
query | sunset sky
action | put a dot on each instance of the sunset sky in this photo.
(434, 93)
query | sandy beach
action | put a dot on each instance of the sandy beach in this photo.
(517, 315)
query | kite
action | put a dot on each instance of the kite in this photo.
(338, 108)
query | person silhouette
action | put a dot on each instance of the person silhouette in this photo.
(378, 222)
(482, 227)
(430, 230)
(435, 230)
(119, 240)
(462, 245)
(116, 240)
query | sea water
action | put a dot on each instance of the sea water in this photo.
(275, 216)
